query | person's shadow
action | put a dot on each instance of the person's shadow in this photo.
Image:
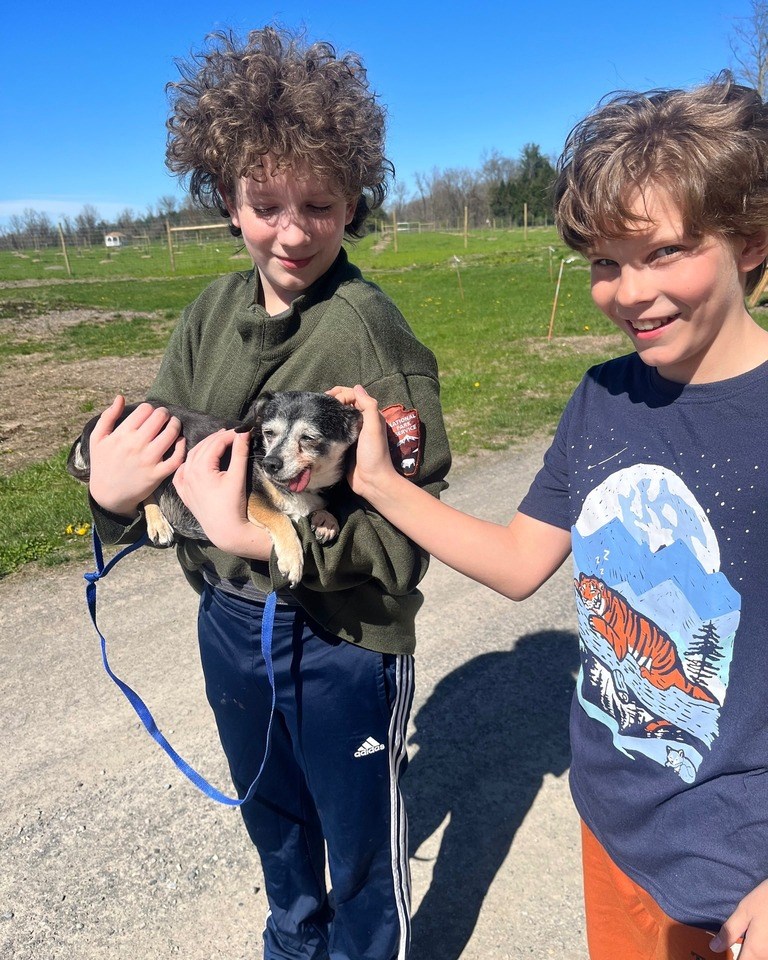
(486, 736)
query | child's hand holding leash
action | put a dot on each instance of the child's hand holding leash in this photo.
(127, 459)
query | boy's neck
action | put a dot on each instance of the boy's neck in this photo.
(745, 349)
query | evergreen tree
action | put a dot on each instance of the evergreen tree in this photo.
(707, 650)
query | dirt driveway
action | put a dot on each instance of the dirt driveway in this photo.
(44, 402)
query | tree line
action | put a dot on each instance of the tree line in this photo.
(32, 229)
(499, 191)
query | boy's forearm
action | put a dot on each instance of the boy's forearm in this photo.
(514, 560)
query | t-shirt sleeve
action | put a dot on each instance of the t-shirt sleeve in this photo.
(548, 498)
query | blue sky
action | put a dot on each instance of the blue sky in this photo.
(82, 85)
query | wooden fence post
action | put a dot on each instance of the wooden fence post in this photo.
(64, 251)
(554, 304)
(170, 245)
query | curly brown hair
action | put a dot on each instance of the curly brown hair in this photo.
(274, 95)
(706, 147)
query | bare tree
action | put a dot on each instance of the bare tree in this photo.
(422, 186)
(496, 167)
(126, 219)
(749, 45)
(87, 224)
(400, 197)
(166, 206)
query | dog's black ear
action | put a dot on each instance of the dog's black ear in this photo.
(255, 413)
(354, 423)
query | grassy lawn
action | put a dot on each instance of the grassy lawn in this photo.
(484, 309)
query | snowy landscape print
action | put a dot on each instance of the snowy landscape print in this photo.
(657, 617)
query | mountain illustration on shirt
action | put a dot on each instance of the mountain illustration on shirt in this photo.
(657, 617)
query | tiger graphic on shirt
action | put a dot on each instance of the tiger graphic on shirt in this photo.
(658, 614)
(630, 633)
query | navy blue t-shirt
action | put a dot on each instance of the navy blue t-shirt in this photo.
(664, 488)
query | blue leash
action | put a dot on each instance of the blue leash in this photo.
(138, 704)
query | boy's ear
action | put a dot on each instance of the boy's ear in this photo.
(229, 202)
(754, 251)
(351, 211)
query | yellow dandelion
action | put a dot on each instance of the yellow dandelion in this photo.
(586, 327)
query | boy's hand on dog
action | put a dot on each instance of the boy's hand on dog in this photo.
(372, 471)
(128, 460)
(217, 497)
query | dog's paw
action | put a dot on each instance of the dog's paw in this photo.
(291, 565)
(289, 553)
(324, 525)
(159, 531)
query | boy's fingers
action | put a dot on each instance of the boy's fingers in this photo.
(345, 395)
(151, 421)
(106, 422)
(167, 435)
(728, 934)
(212, 448)
(176, 459)
(241, 446)
(364, 402)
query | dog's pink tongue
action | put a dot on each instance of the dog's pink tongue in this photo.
(299, 483)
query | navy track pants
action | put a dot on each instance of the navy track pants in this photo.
(332, 780)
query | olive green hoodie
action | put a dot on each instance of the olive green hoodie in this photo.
(342, 330)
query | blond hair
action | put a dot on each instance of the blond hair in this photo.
(706, 147)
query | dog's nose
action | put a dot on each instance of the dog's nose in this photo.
(272, 465)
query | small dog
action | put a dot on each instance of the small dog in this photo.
(299, 442)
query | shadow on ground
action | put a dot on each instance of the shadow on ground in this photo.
(487, 735)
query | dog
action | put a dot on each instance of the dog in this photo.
(299, 442)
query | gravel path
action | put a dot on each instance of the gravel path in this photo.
(108, 851)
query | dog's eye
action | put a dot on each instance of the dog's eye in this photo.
(305, 438)
(268, 434)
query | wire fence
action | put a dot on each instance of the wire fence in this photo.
(162, 248)
(188, 250)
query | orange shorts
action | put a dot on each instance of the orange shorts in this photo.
(624, 921)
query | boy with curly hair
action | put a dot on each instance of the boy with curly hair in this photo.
(655, 483)
(286, 139)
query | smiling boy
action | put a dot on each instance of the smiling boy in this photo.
(677, 297)
(656, 483)
(292, 225)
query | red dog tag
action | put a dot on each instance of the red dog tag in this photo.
(404, 436)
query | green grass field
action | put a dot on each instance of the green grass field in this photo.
(484, 310)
